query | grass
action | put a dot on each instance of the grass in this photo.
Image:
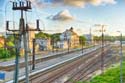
(112, 75)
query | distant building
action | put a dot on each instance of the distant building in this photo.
(62, 44)
(44, 44)
(71, 37)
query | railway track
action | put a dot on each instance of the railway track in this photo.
(50, 75)
(84, 68)
(85, 77)
(93, 66)
(39, 60)
(86, 73)
(68, 68)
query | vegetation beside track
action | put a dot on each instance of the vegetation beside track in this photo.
(112, 75)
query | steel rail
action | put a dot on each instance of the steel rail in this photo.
(85, 68)
(42, 59)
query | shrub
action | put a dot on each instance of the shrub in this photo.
(4, 53)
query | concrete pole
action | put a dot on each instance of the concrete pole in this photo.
(18, 46)
(23, 28)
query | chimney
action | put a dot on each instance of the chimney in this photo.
(71, 29)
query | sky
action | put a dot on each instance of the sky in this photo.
(59, 15)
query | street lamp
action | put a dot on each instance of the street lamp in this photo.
(121, 60)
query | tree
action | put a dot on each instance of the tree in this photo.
(10, 38)
(56, 36)
(9, 41)
(42, 35)
(106, 38)
(4, 53)
(82, 40)
(8, 50)
(97, 38)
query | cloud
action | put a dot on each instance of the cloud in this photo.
(100, 2)
(62, 16)
(37, 3)
(82, 3)
(78, 3)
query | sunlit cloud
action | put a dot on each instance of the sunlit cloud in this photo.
(62, 16)
(100, 2)
(37, 3)
(77, 3)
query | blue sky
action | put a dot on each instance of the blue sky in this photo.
(84, 16)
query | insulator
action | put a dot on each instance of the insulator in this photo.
(13, 4)
(23, 4)
(7, 25)
(16, 4)
(29, 4)
(37, 24)
(20, 3)
(27, 28)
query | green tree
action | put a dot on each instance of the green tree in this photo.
(97, 38)
(42, 35)
(82, 40)
(56, 36)
(4, 53)
(10, 41)
(9, 49)
(10, 38)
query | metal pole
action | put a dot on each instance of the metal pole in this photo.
(68, 45)
(82, 46)
(121, 54)
(102, 52)
(102, 55)
(53, 45)
(33, 57)
(90, 36)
